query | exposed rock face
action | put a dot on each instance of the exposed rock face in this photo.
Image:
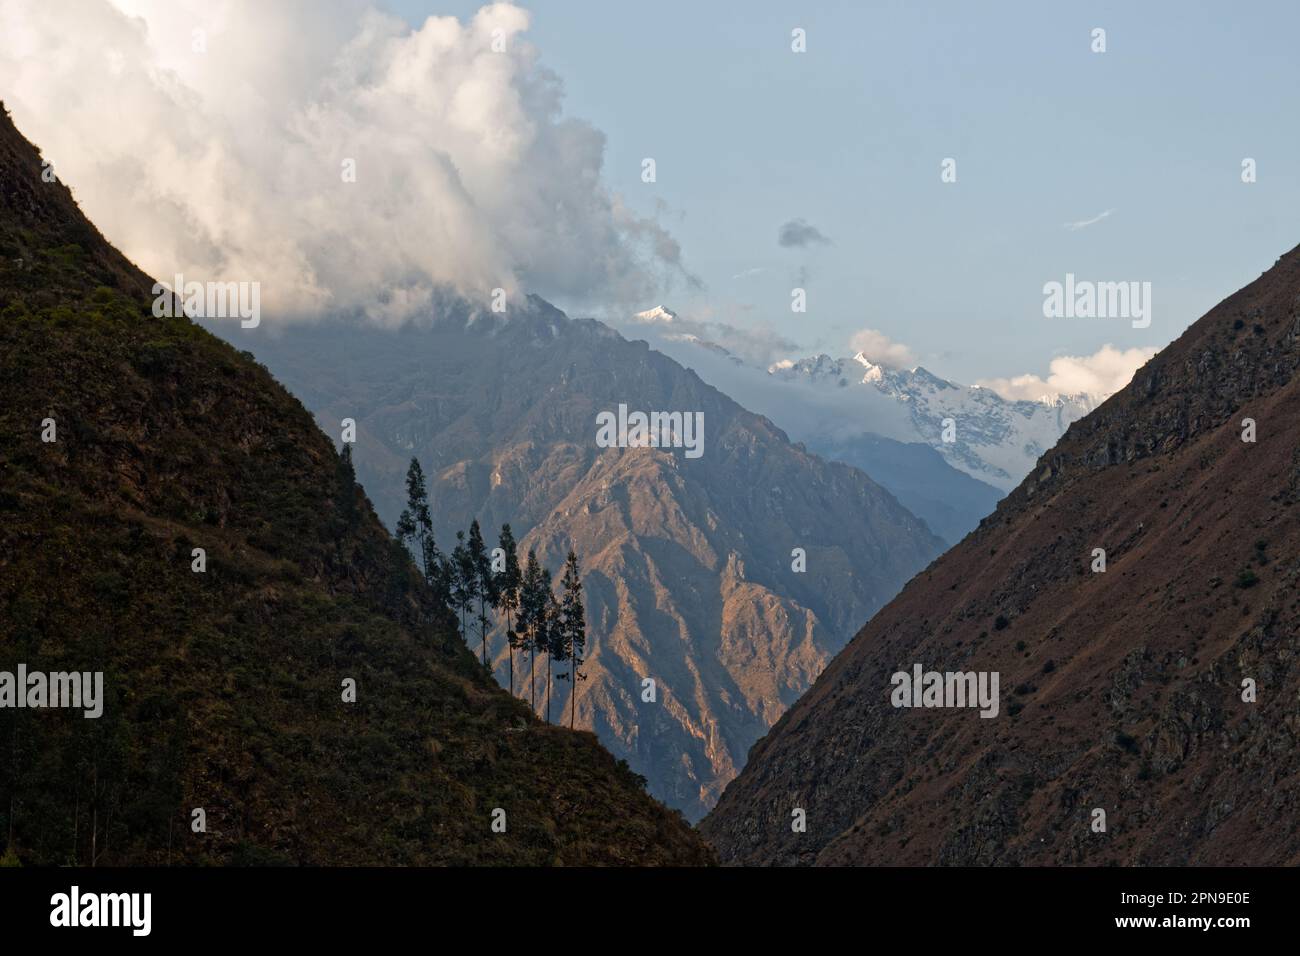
(688, 561)
(1121, 691)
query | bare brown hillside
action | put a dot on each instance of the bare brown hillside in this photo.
(1119, 690)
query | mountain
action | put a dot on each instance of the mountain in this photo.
(890, 423)
(950, 501)
(126, 443)
(993, 439)
(1160, 691)
(691, 570)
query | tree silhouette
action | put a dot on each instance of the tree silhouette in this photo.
(415, 530)
(464, 582)
(507, 588)
(572, 643)
(548, 630)
(485, 584)
(532, 613)
(415, 523)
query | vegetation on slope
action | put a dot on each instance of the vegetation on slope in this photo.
(224, 688)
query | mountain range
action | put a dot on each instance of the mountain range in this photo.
(994, 440)
(1136, 594)
(728, 579)
(948, 452)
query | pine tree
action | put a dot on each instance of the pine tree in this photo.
(484, 581)
(464, 582)
(548, 631)
(573, 622)
(415, 521)
(507, 588)
(532, 609)
(415, 530)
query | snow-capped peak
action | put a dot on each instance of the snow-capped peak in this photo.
(659, 313)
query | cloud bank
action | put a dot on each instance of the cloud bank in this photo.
(1101, 374)
(214, 138)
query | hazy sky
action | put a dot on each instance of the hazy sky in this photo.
(1142, 143)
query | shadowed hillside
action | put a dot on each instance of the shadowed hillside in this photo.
(1121, 691)
(223, 688)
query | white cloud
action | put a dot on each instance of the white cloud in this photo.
(1101, 374)
(882, 350)
(758, 345)
(226, 164)
(1085, 223)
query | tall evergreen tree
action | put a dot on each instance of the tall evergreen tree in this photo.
(548, 631)
(573, 623)
(464, 582)
(485, 584)
(436, 568)
(507, 588)
(415, 530)
(532, 611)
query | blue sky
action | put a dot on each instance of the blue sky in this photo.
(849, 136)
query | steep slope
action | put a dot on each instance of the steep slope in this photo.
(951, 502)
(223, 688)
(691, 580)
(1121, 691)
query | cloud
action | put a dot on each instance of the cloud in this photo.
(209, 137)
(1085, 223)
(759, 345)
(882, 350)
(799, 234)
(803, 409)
(1101, 374)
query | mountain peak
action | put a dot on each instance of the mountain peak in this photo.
(660, 313)
(861, 359)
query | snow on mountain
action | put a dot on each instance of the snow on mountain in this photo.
(993, 439)
(975, 429)
(658, 314)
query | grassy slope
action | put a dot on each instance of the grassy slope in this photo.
(224, 688)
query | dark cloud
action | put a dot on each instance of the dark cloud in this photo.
(799, 234)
